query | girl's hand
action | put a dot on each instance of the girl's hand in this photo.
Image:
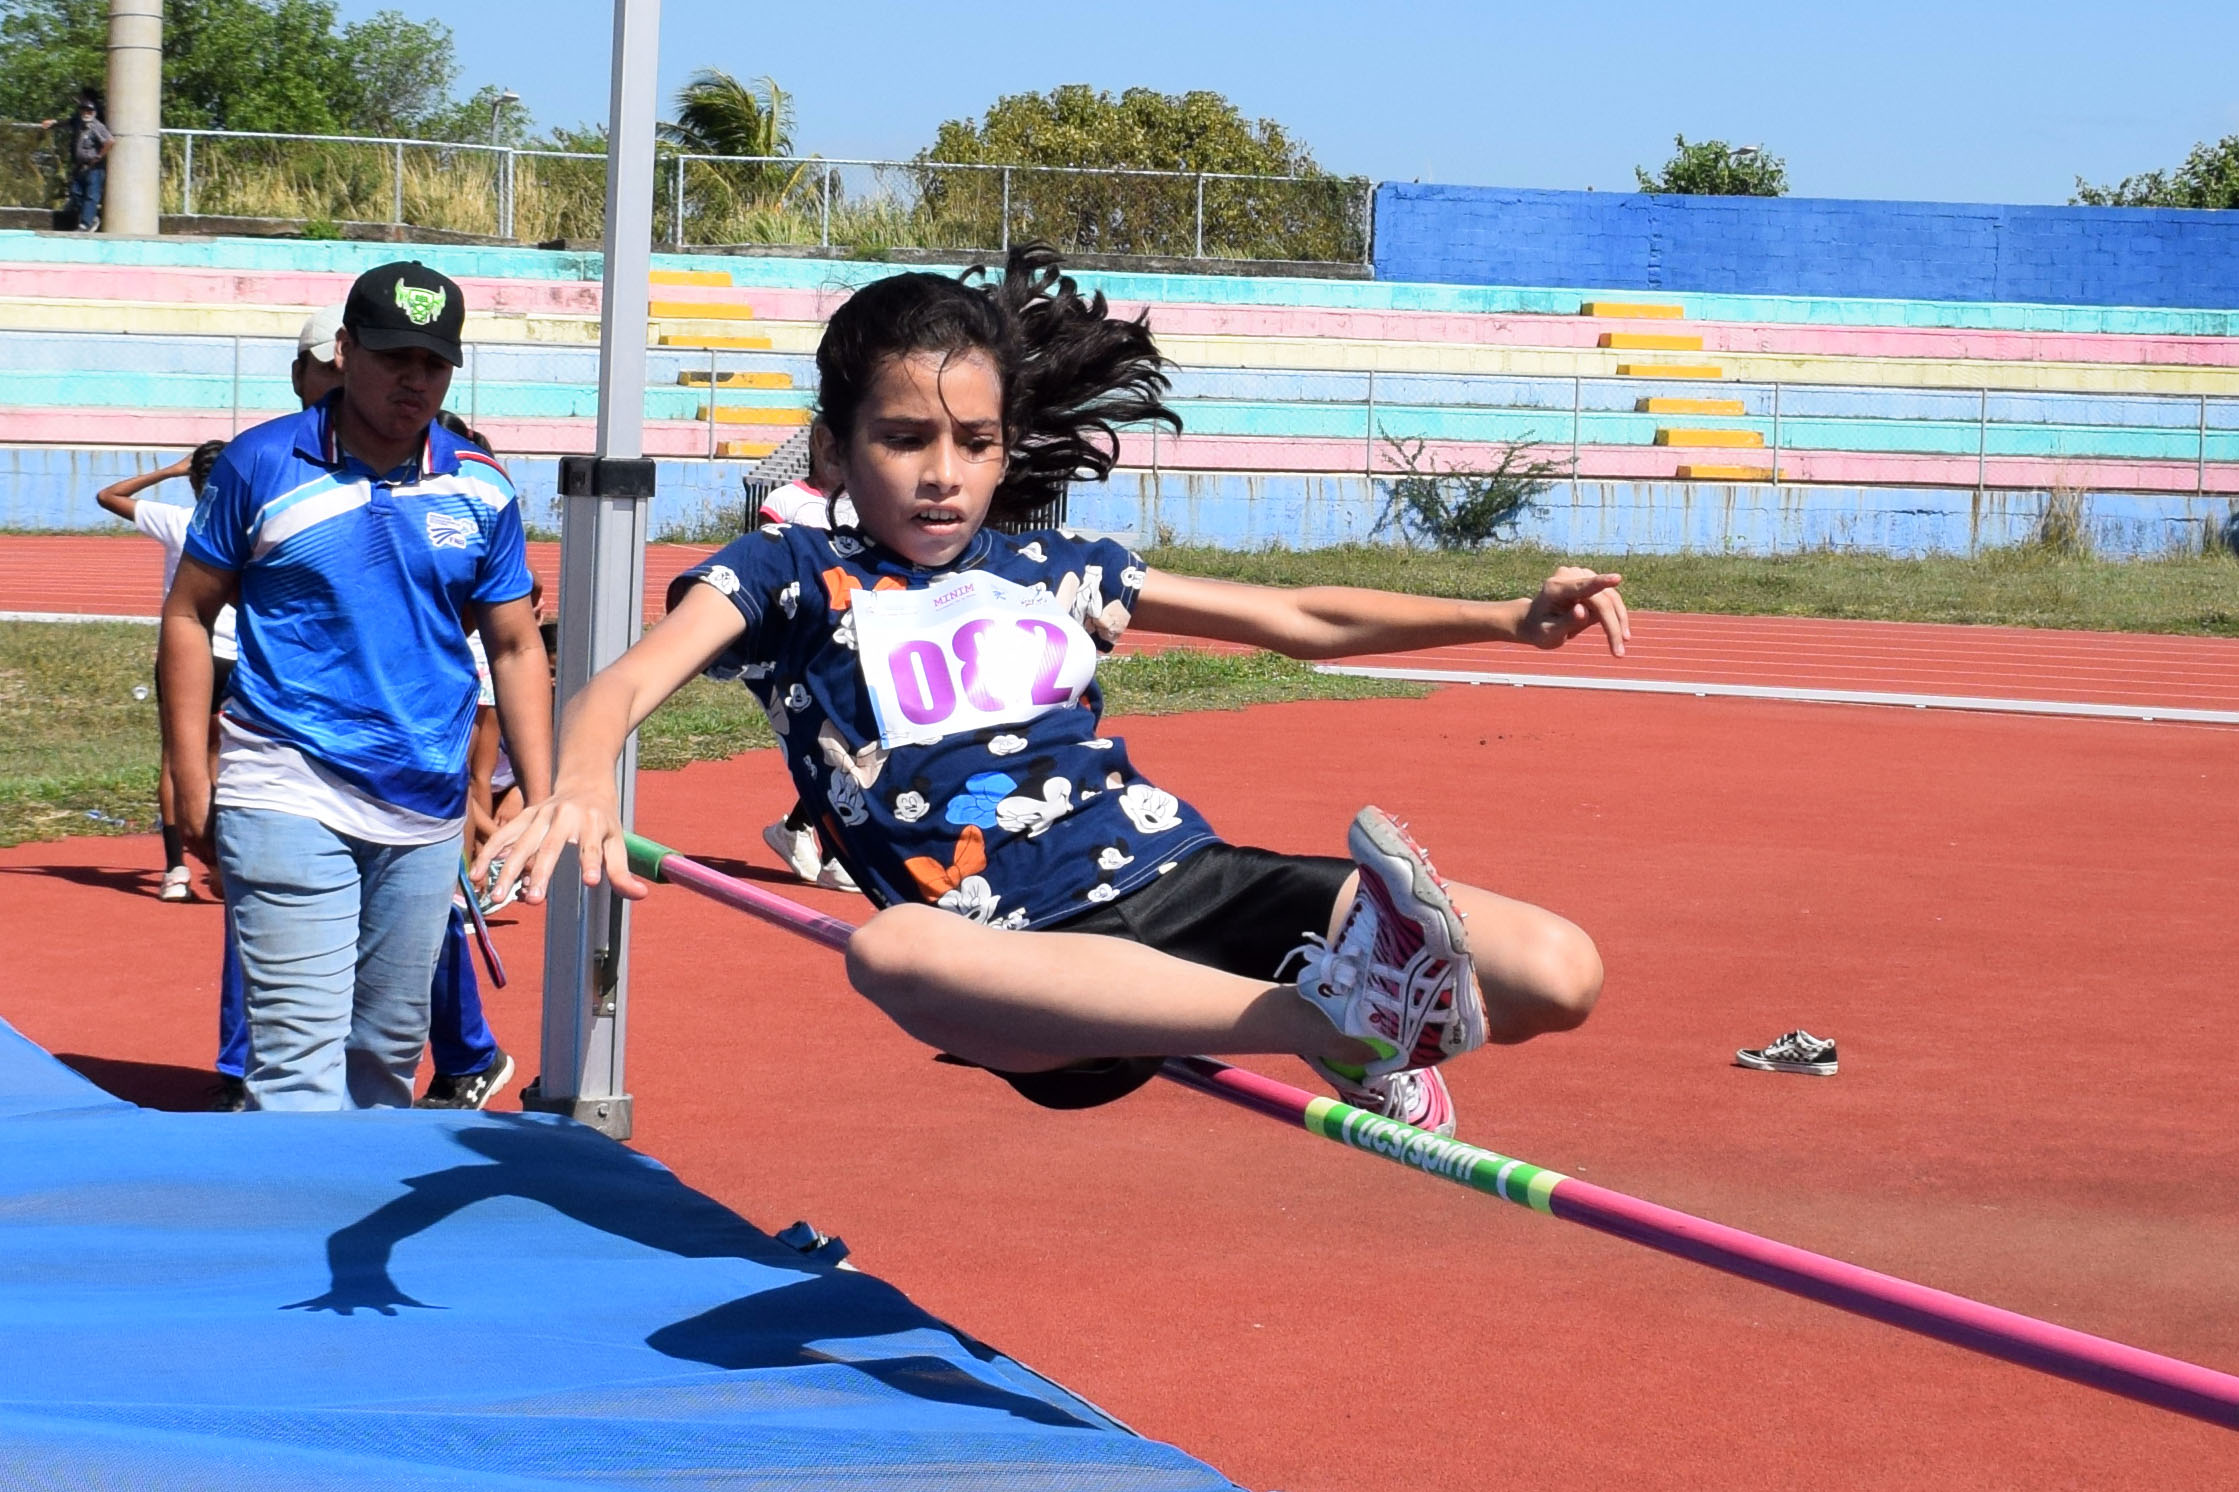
(184, 466)
(532, 843)
(1572, 600)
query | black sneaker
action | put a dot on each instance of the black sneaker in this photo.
(1798, 1051)
(230, 1096)
(474, 1091)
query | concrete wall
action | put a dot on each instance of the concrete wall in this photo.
(1805, 246)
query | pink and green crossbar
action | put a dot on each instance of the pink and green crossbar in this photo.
(2164, 1382)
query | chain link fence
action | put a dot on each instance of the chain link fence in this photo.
(861, 207)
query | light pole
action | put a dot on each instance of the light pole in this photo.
(497, 112)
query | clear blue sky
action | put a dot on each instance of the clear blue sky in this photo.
(1955, 101)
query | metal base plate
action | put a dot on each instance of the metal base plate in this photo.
(609, 1116)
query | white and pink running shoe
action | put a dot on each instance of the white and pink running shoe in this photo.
(1418, 1097)
(1398, 975)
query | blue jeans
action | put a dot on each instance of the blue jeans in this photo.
(458, 1037)
(338, 940)
(87, 183)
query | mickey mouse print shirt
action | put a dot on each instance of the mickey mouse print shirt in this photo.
(941, 724)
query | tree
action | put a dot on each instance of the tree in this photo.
(716, 114)
(280, 65)
(2208, 178)
(1712, 168)
(1142, 129)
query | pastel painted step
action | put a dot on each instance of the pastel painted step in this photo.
(1654, 370)
(1651, 341)
(746, 450)
(1749, 438)
(1728, 474)
(750, 414)
(1692, 406)
(698, 378)
(1629, 310)
(719, 278)
(754, 344)
(714, 310)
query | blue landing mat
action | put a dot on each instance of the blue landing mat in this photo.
(410, 1300)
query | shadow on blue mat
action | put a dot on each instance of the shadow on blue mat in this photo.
(768, 1329)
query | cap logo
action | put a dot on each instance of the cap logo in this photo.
(419, 304)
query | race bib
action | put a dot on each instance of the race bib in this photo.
(965, 653)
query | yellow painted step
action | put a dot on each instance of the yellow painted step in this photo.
(1691, 406)
(698, 378)
(749, 450)
(1728, 474)
(1652, 341)
(719, 278)
(1650, 370)
(748, 414)
(1631, 310)
(1748, 438)
(750, 344)
(711, 310)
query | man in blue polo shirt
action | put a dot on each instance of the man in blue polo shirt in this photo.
(353, 538)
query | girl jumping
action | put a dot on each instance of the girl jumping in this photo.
(1046, 911)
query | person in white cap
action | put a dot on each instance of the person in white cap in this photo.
(314, 373)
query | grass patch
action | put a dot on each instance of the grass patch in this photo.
(78, 754)
(2025, 586)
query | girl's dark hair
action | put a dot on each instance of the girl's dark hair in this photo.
(201, 463)
(464, 431)
(1072, 372)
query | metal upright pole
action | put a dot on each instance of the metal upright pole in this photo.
(677, 237)
(824, 229)
(186, 184)
(2200, 467)
(602, 598)
(1200, 214)
(397, 207)
(1776, 435)
(1982, 439)
(1007, 218)
(1368, 435)
(1577, 407)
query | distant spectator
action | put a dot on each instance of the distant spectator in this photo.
(356, 536)
(313, 373)
(90, 142)
(166, 523)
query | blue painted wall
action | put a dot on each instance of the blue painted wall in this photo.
(1939, 251)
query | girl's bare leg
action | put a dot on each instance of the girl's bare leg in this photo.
(1028, 1002)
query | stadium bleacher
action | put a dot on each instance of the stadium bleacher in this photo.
(1687, 420)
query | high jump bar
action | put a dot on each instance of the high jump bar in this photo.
(2097, 1362)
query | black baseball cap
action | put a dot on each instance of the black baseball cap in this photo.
(406, 304)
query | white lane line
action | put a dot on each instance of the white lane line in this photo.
(73, 616)
(1795, 695)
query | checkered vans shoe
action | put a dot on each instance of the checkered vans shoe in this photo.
(1397, 976)
(1798, 1051)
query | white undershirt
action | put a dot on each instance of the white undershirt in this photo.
(255, 771)
(166, 523)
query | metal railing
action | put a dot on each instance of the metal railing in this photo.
(517, 192)
(530, 387)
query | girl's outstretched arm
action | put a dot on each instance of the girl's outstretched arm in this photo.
(1334, 621)
(582, 811)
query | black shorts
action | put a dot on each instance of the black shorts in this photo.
(1230, 907)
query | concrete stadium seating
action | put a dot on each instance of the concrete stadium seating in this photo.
(1889, 423)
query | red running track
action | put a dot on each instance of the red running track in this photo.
(2019, 930)
(120, 576)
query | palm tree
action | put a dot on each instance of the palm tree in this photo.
(716, 114)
